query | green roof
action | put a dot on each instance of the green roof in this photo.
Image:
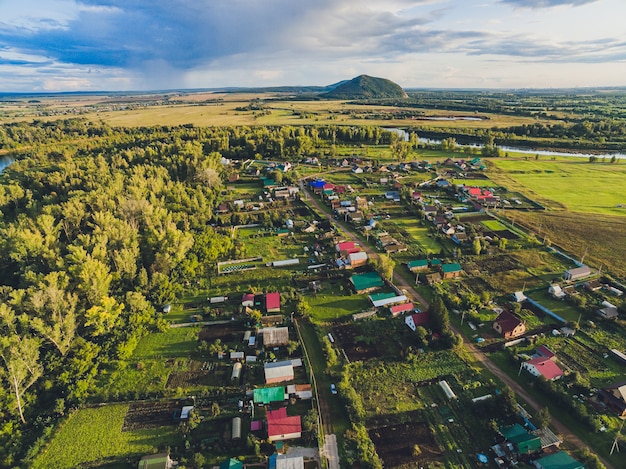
(418, 263)
(366, 281)
(267, 395)
(231, 464)
(435, 262)
(268, 182)
(560, 460)
(527, 443)
(447, 268)
(381, 296)
(512, 431)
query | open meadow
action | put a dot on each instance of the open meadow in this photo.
(571, 184)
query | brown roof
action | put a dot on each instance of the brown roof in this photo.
(508, 321)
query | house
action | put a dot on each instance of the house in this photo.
(560, 460)
(415, 320)
(357, 170)
(432, 278)
(231, 464)
(272, 320)
(265, 396)
(459, 237)
(363, 283)
(593, 285)
(577, 273)
(281, 427)
(417, 265)
(614, 397)
(275, 336)
(361, 203)
(357, 259)
(277, 372)
(543, 366)
(222, 209)
(508, 325)
(301, 391)
(519, 297)
(556, 292)
(608, 312)
(429, 210)
(272, 302)
(403, 308)
(448, 229)
(385, 299)
(451, 270)
(355, 217)
(248, 300)
(524, 442)
(284, 461)
(156, 461)
(345, 246)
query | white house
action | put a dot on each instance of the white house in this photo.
(556, 291)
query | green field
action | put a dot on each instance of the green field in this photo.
(419, 234)
(94, 435)
(494, 225)
(329, 305)
(568, 183)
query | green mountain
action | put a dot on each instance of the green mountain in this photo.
(366, 87)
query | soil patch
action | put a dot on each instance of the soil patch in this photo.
(143, 415)
(349, 337)
(225, 332)
(395, 444)
(506, 234)
(497, 264)
(199, 374)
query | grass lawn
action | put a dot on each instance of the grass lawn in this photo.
(560, 307)
(333, 304)
(494, 225)
(176, 342)
(420, 234)
(474, 182)
(94, 435)
(568, 183)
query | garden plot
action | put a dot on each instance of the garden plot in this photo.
(225, 332)
(199, 374)
(395, 444)
(144, 415)
(497, 264)
(351, 339)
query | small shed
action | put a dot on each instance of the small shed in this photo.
(231, 463)
(236, 374)
(236, 429)
(275, 336)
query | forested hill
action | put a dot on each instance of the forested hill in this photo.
(364, 86)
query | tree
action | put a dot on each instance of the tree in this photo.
(440, 315)
(102, 318)
(477, 246)
(254, 315)
(385, 265)
(543, 417)
(215, 410)
(416, 451)
(20, 357)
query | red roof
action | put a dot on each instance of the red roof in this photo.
(548, 369)
(272, 300)
(545, 352)
(328, 186)
(345, 246)
(248, 297)
(474, 191)
(403, 308)
(420, 319)
(416, 195)
(279, 424)
(351, 250)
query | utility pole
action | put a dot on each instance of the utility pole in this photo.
(615, 445)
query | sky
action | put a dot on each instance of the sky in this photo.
(122, 45)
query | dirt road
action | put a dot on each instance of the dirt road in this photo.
(400, 282)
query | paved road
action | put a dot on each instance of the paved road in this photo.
(400, 282)
(330, 451)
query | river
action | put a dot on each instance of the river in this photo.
(526, 151)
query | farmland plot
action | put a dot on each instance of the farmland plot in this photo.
(395, 444)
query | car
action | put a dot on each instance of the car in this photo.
(333, 389)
